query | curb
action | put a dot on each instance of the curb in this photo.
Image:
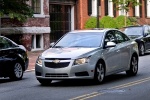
(30, 70)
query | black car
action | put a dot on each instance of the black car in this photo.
(13, 59)
(141, 34)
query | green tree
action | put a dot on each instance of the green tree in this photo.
(125, 5)
(16, 9)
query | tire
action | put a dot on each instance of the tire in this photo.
(99, 73)
(141, 49)
(133, 67)
(44, 82)
(16, 72)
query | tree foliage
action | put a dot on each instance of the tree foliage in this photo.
(91, 23)
(125, 4)
(120, 21)
(16, 9)
(108, 22)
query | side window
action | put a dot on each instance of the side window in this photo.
(147, 30)
(121, 37)
(4, 43)
(110, 37)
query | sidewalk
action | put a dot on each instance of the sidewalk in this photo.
(32, 59)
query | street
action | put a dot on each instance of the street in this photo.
(116, 87)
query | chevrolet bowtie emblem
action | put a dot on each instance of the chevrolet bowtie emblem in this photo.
(56, 61)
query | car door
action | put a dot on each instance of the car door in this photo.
(111, 54)
(5, 54)
(124, 45)
(147, 37)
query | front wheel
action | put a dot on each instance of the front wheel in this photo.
(99, 73)
(133, 67)
(17, 72)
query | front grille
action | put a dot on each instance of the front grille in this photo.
(56, 65)
(56, 75)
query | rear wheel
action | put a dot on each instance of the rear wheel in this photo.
(99, 73)
(17, 71)
(141, 49)
(133, 66)
(44, 81)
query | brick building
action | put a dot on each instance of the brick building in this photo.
(53, 18)
(33, 34)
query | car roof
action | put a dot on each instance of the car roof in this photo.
(135, 26)
(92, 30)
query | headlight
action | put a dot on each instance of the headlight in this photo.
(39, 61)
(81, 61)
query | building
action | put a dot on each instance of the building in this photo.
(33, 34)
(53, 18)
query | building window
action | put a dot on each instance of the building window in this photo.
(36, 5)
(106, 7)
(140, 8)
(37, 42)
(137, 10)
(147, 9)
(110, 9)
(89, 7)
(114, 10)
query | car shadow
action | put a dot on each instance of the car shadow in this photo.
(6, 80)
(147, 53)
(79, 83)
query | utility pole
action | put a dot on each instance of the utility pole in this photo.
(98, 13)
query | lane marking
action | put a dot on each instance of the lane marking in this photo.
(94, 94)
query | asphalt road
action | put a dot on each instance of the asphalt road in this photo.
(115, 87)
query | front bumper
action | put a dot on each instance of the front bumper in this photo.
(84, 71)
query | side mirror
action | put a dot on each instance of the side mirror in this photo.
(110, 44)
(52, 44)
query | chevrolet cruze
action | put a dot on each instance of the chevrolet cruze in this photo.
(88, 54)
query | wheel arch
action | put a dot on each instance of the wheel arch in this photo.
(136, 55)
(102, 61)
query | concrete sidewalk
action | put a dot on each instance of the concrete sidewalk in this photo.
(33, 55)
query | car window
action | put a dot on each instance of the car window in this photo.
(86, 39)
(4, 43)
(147, 29)
(134, 31)
(109, 37)
(121, 37)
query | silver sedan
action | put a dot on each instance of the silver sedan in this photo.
(88, 54)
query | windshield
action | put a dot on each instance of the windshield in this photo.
(134, 31)
(88, 39)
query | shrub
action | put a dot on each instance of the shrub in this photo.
(120, 20)
(108, 22)
(91, 23)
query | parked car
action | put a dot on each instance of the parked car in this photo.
(141, 34)
(88, 54)
(13, 59)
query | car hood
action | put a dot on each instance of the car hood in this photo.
(66, 52)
